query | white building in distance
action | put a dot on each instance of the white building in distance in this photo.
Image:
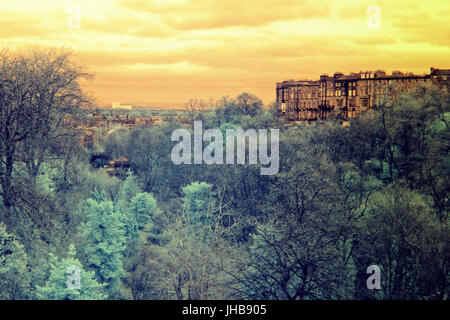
(117, 105)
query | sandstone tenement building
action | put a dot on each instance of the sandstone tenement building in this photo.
(346, 96)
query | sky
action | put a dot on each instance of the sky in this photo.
(165, 52)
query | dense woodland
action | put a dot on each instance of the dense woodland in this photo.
(374, 193)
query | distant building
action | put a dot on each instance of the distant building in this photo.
(117, 168)
(346, 96)
(117, 105)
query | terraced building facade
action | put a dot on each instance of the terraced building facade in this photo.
(347, 96)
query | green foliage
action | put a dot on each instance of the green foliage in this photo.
(45, 179)
(227, 126)
(116, 143)
(104, 237)
(376, 192)
(187, 266)
(14, 275)
(61, 284)
(98, 180)
(129, 189)
(131, 232)
(198, 202)
(402, 235)
(143, 206)
(149, 154)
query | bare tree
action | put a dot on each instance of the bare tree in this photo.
(195, 105)
(248, 103)
(39, 89)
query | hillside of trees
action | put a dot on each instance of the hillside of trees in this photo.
(345, 198)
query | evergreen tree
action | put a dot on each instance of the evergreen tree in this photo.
(131, 230)
(129, 189)
(105, 237)
(69, 281)
(143, 206)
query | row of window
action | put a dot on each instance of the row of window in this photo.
(364, 90)
(376, 82)
(292, 94)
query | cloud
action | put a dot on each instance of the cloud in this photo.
(156, 50)
(126, 22)
(424, 27)
(212, 14)
(13, 25)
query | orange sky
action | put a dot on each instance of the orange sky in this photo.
(168, 51)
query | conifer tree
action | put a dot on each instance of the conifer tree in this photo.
(104, 233)
(131, 229)
(143, 206)
(128, 190)
(69, 281)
